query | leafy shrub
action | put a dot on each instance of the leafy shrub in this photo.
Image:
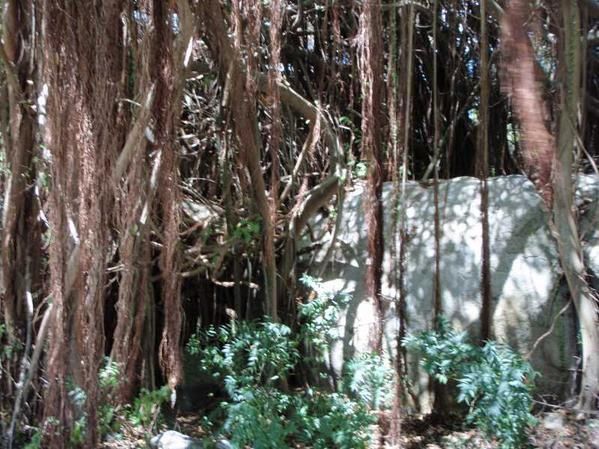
(146, 407)
(257, 417)
(320, 316)
(246, 353)
(369, 378)
(331, 420)
(36, 440)
(267, 418)
(247, 230)
(250, 359)
(109, 375)
(144, 411)
(108, 379)
(494, 381)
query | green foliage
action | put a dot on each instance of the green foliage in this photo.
(8, 350)
(36, 441)
(494, 381)
(359, 170)
(248, 230)
(109, 375)
(78, 432)
(320, 316)
(246, 353)
(257, 417)
(266, 418)
(252, 358)
(146, 406)
(369, 378)
(332, 420)
(78, 397)
(108, 378)
(143, 412)
(443, 351)
(498, 390)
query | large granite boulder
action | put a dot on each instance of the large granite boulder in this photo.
(527, 285)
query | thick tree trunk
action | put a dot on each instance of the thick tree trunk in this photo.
(544, 156)
(168, 65)
(521, 84)
(570, 248)
(136, 196)
(82, 63)
(151, 193)
(21, 244)
(371, 66)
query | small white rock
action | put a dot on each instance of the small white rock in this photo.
(174, 440)
(554, 421)
(223, 444)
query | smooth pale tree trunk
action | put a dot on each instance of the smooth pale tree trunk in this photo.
(570, 248)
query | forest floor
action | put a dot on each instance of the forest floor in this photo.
(557, 430)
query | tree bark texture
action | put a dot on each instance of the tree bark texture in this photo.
(371, 68)
(568, 239)
(550, 161)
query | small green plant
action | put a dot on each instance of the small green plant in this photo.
(248, 230)
(250, 358)
(8, 350)
(109, 375)
(253, 361)
(257, 417)
(146, 406)
(320, 315)
(36, 440)
(360, 170)
(369, 378)
(78, 397)
(246, 353)
(494, 381)
(109, 380)
(78, 432)
(331, 420)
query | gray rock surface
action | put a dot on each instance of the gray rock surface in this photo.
(223, 444)
(526, 284)
(554, 421)
(174, 440)
(587, 195)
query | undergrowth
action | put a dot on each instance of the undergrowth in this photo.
(254, 360)
(493, 381)
(143, 413)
